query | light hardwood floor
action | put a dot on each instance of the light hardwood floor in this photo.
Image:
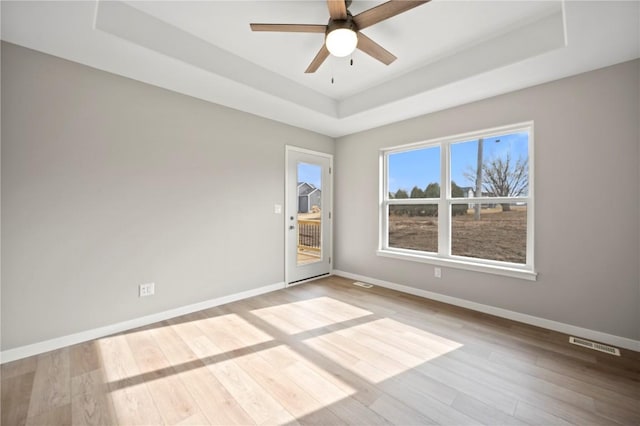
(328, 353)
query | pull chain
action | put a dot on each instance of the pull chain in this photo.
(332, 70)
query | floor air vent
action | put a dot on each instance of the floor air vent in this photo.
(365, 285)
(595, 346)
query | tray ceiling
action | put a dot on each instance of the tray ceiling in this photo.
(449, 52)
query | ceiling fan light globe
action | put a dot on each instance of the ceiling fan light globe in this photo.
(341, 42)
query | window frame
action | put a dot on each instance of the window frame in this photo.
(445, 202)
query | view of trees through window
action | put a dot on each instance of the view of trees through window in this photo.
(484, 202)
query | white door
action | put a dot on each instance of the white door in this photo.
(308, 215)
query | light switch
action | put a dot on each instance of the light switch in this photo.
(277, 209)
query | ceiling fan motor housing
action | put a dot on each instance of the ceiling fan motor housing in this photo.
(348, 24)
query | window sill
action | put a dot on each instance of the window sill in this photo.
(520, 273)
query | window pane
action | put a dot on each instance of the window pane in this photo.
(415, 174)
(414, 227)
(504, 171)
(499, 233)
(309, 213)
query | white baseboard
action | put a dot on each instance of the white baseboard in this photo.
(622, 342)
(83, 336)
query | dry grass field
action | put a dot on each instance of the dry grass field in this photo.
(309, 216)
(497, 235)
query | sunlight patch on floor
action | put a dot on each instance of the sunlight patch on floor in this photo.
(118, 361)
(381, 349)
(231, 332)
(430, 340)
(309, 374)
(310, 314)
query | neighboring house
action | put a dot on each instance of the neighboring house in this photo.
(308, 196)
(470, 192)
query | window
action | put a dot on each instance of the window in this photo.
(464, 201)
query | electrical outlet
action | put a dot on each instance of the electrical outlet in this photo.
(148, 289)
(437, 272)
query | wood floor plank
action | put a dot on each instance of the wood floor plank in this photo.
(536, 416)
(318, 386)
(257, 402)
(387, 366)
(397, 412)
(224, 319)
(85, 357)
(90, 382)
(214, 400)
(16, 393)
(621, 413)
(118, 360)
(403, 338)
(438, 378)
(347, 361)
(51, 383)
(194, 337)
(323, 390)
(18, 367)
(280, 316)
(588, 373)
(132, 402)
(598, 393)
(171, 398)
(58, 415)
(216, 404)
(250, 396)
(435, 410)
(559, 401)
(341, 377)
(294, 398)
(197, 419)
(424, 385)
(484, 413)
(174, 348)
(291, 396)
(93, 407)
(91, 402)
(350, 409)
(281, 417)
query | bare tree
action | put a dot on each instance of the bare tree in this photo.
(502, 177)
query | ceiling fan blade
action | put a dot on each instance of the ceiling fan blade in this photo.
(374, 50)
(318, 60)
(290, 28)
(337, 9)
(385, 11)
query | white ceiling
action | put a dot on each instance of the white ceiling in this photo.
(449, 52)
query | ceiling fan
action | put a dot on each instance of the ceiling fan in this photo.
(342, 33)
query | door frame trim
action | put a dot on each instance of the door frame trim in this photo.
(288, 149)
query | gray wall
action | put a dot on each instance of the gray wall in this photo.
(108, 183)
(587, 201)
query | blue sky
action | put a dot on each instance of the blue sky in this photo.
(310, 173)
(421, 167)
